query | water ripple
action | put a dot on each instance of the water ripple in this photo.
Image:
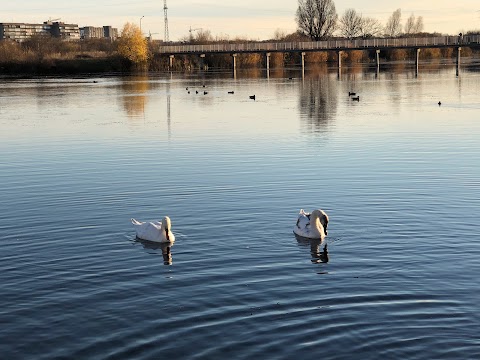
(397, 175)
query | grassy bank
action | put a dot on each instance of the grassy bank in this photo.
(62, 66)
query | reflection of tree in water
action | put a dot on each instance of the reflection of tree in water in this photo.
(318, 103)
(251, 73)
(134, 99)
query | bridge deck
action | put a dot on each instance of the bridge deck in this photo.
(335, 45)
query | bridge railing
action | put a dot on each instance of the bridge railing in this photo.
(321, 45)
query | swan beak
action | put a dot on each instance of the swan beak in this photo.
(166, 233)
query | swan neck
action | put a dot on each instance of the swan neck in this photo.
(318, 227)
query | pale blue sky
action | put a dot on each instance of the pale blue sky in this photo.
(247, 18)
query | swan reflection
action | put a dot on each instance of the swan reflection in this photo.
(165, 247)
(319, 254)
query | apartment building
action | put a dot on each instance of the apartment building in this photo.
(110, 32)
(91, 32)
(65, 31)
(21, 31)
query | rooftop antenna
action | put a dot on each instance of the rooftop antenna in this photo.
(166, 39)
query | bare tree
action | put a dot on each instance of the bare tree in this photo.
(409, 25)
(419, 25)
(203, 37)
(414, 25)
(370, 27)
(350, 24)
(394, 24)
(279, 34)
(316, 18)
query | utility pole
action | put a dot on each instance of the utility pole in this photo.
(166, 39)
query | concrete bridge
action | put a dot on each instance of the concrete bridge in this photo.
(331, 45)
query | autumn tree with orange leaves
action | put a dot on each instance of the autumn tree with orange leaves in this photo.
(132, 45)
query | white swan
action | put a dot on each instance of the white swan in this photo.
(154, 231)
(312, 226)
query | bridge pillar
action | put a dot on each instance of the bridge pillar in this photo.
(267, 63)
(459, 56)
(234, 57)
(303, 64)
(377, 60)
(417, 58)
(170, 64)
(339, 55)
(202, 61)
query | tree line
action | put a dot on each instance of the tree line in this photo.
(49, 55)
(318, 19)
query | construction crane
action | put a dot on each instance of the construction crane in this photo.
(192, 30)
(165, 8)
(150, 35)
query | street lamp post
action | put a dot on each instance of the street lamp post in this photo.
(141, 23)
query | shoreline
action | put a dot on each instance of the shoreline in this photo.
(112, 67)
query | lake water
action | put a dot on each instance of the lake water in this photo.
(398, 175)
